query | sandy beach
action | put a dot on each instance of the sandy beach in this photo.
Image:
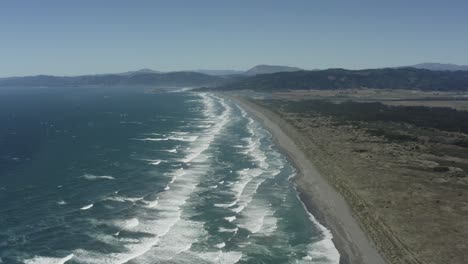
(320, 197)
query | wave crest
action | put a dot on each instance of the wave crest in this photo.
(92, 177)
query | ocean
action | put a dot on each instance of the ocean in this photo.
(119, 175)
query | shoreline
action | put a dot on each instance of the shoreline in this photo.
(319, 197)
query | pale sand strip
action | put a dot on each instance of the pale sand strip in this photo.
(320, 197)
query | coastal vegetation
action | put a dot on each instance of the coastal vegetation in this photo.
(402, 169)
(442, 118)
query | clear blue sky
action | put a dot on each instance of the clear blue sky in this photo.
(79, 37)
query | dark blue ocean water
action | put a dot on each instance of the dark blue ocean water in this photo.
(118, 175)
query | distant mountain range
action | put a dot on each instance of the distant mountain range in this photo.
(269, 69)
(256, 70)
(269, 78)
(220, 72)
(146, 77)
(141, 77)
(141, 71)
(208, 78)
(333, 79)
(441, 67)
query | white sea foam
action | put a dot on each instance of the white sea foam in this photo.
(238, 209)
(254, 218)
(131, 122)
(187, 138)
(228, 230)
(171, 150)
(152, 139)
(244, 189)
(123, 199)
(253, 143)
(195, 151)
(229, 257)
(255, 183)
(154, 134)
(170, 203)
(172, 138)
(97, 177)
(127, 223)
(257, 217)
(270, 225)
(325, 248)
(86, 207)
(220, 245)
(151, 204)
(178, 133)
(204, 126)
(172, 233)
(179, 239)
(225, 205)
(48, 260)
(230, 218)
(153, 161)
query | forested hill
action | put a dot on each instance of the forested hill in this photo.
(137, 78)
(388, 78)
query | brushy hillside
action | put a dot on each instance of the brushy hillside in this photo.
(388, 78)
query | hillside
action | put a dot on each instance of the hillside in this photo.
(132, 78)
(401, 78)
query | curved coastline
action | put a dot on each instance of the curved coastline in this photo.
(319, 197)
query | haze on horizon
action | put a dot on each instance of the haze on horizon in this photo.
(73, 38)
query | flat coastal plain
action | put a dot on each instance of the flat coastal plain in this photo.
(390, 191)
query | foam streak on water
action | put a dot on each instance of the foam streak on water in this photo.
(170, 204)
(46, 260)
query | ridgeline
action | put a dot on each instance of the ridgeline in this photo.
(334, 79)
(172, 79)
